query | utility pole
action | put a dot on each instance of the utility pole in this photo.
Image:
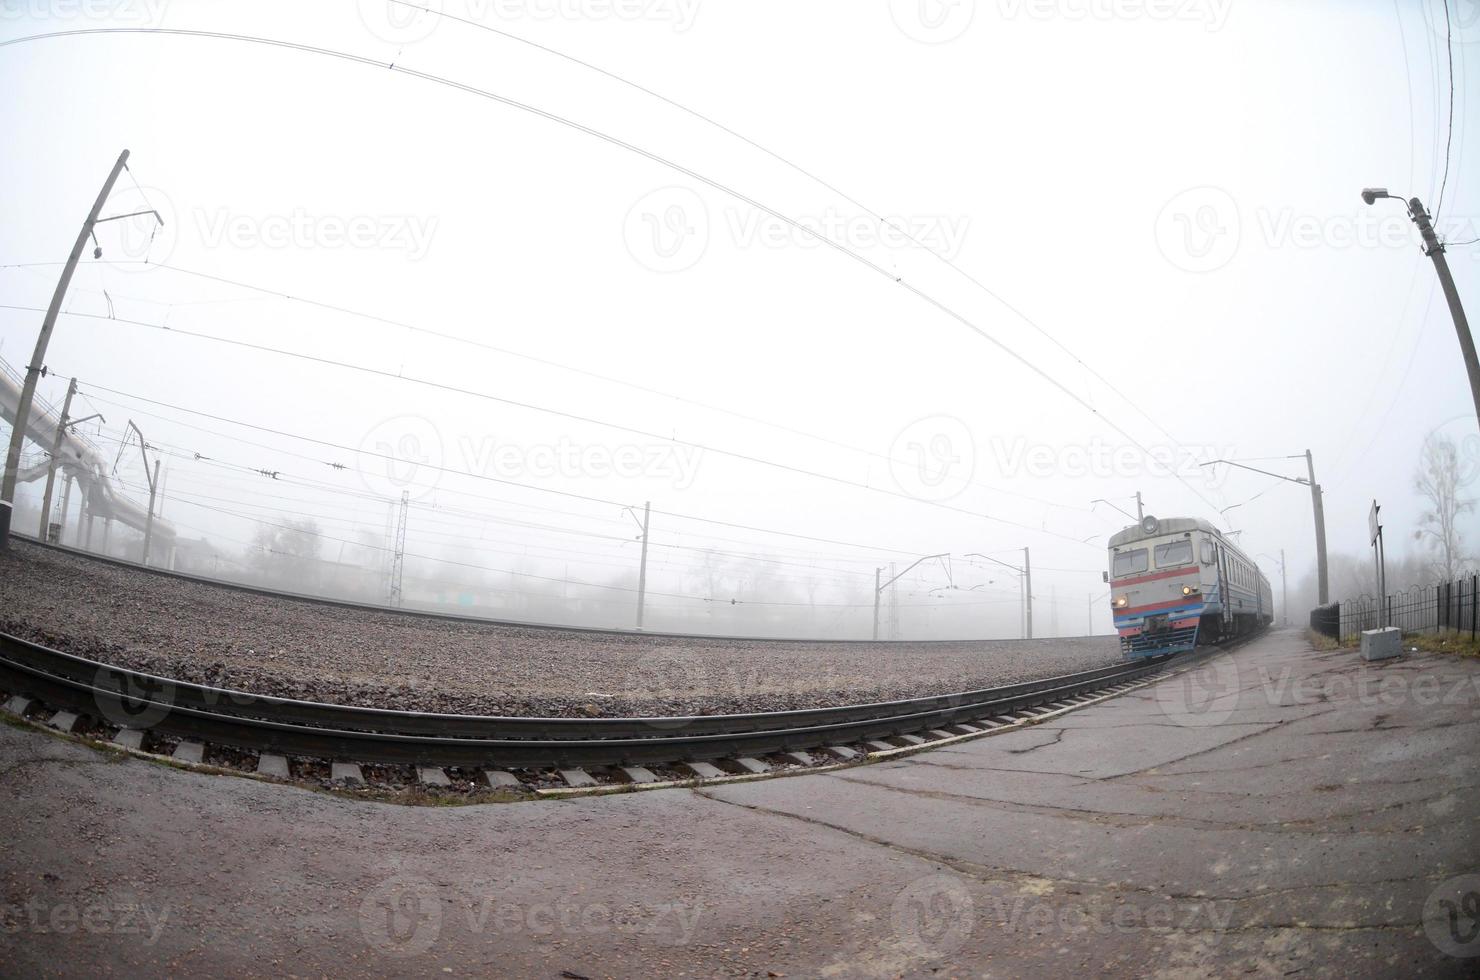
(877, 573)
(398, 557)
(1318, 512)
(1284, 590)
(149, 522)
(1028, 591)
(642, 569)
(51, 467)
(879, 588)
(1434, 249)
(1140, 510)
(38, 357)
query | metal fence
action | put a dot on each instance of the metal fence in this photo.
(1451, 606)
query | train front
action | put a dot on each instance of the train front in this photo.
(1156, 588)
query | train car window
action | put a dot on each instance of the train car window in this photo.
(1208, 553)
(1129, 562)
(1173, 553)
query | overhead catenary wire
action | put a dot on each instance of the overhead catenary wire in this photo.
(613, 140)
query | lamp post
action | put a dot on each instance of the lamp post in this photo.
(1434, 249)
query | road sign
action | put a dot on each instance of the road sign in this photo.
(1373, 528)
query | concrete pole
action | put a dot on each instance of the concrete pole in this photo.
(1028, 590)
(66, 505)
(149, 522)
(38, 357)
(1284, 590)
(642, 570)
(1140, 510)
(877, 572)
(1319, 510)
(1434, 249)
(51, 466)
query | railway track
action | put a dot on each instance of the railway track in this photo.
(65, 690)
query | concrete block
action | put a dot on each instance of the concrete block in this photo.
(801, 758)
(18, 705)
(878, 746)
(841, 752)
(346, 772)
(1382, 644)
(911, 739)
(938, 733)
(751, 765)
(432, 776)
(63, 721)
(639, 774)
(966, 729)
(501, 779)
(577, 778)
(704, 770)
(129, 738)
(273, 765)
(189, 752)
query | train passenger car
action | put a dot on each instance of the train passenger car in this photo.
(1178, 582)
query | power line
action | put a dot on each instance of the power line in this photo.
(1449, 136)
(798, 226)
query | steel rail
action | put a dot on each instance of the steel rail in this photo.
(130, 698)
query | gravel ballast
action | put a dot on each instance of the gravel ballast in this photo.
(289, 647)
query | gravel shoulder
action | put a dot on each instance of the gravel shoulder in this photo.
(292, 648)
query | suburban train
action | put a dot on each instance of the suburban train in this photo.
(1178, 582)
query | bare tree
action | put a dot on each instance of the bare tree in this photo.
(1438, 483)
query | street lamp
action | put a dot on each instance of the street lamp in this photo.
(1434, 249)
(1025, 587)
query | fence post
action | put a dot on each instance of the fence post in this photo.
(1474, 590)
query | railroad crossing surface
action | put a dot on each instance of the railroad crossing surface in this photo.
(1278, 812)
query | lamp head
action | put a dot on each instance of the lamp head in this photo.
(1371, 194)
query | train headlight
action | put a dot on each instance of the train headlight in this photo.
(1121, 601)
(1190, 590)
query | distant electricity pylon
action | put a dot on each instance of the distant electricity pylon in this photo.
(398, 557)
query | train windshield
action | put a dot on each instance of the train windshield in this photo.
(1176, 553)
(1129, 562)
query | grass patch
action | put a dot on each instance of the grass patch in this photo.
(1454, 644)
(1321, 641)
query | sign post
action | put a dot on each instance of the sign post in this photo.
(1374, 529)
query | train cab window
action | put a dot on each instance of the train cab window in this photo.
(1173, 553)
(1129, 562)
